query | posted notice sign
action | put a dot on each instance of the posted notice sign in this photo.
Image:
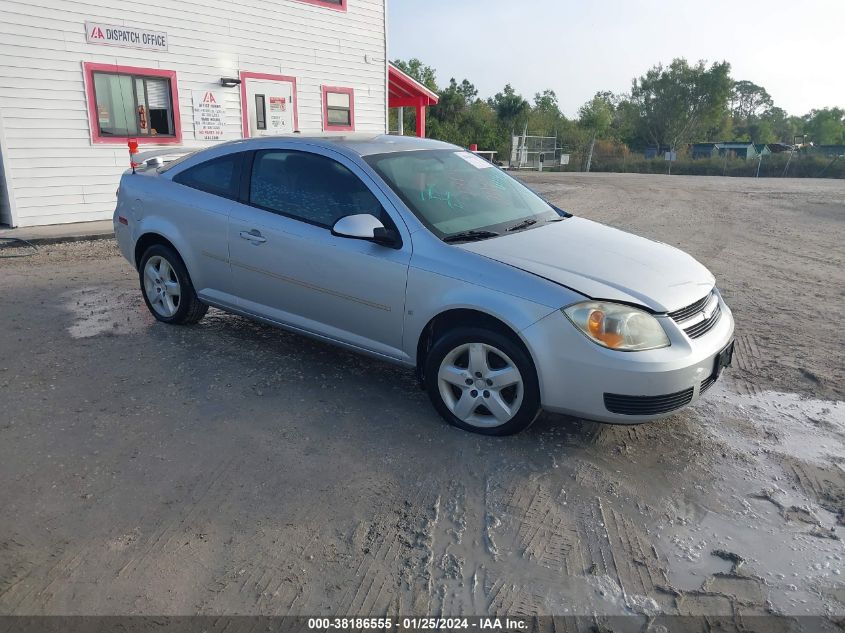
(126, 36)
(209, 115)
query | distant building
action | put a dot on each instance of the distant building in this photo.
(704, 150)
(656, 152)
(740, 149)
(732, 149)
(778, 148)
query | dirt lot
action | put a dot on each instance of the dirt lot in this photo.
(234, 468)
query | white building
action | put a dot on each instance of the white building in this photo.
(78, 79)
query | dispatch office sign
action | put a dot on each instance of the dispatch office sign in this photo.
(126, 36)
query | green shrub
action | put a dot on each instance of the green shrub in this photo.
(801, 166)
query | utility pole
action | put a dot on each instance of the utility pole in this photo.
(788, 160)
(590, 155)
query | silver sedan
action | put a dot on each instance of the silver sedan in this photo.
(426, 255)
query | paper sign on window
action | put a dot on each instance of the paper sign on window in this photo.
(475, 161)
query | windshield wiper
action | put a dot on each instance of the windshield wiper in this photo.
(469, 236)
(522, 225)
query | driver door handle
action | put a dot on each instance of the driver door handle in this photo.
(253, 236)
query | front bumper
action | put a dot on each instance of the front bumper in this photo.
(576, 374)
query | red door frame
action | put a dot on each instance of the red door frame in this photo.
(244, 75)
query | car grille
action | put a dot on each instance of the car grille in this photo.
(701, 327)
(647, 405)
(707, 383)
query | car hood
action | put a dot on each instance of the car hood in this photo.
(603, 263)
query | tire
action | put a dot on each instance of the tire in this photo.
(492, 404)
(167, 288)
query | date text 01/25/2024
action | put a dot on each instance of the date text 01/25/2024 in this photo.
(417, 624)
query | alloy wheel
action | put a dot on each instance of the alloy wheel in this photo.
(161, 286)
(480, 384)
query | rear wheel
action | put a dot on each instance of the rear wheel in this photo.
(167, 288)
(482, 381)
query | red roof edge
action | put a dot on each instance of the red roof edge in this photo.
(400, 83)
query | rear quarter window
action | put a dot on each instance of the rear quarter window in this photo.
(218, 176)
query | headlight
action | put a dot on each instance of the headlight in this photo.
(617, 326)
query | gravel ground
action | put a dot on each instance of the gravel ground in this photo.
(232, 468)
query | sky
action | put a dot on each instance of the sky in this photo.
(794, 49)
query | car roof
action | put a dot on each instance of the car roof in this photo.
(360, 144)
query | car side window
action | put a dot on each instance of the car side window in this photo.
(219, 176)
(308, 187)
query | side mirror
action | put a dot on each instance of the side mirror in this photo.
(364, 226)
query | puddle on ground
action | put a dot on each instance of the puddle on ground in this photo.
(784, 557)
(100, 310)
(784, 524)
(788, 423)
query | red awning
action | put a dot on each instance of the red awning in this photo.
(405, 91)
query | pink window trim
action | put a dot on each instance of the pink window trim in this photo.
(245, 112)
(328, 127)
(94, 120)
(327, 5)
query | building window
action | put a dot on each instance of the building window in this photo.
(337, 5)
(126, 102)
(260, 112)
(338, 108)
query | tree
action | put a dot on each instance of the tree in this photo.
(596, 115)
(760, 130)
(679, 102)
(510, 107)
(545, 117)
(426, 75)
(784, 127)
(748, 100)
(465, 89)
(826, 126)
(546, 102)
(453, 101)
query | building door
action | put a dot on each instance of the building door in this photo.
(270, 106)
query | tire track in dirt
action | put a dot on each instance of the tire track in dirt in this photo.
(162, 538)
(539, 554)
(452, 588)
(394, 574)
(824, 483)
(749, 360)
(34, 596)
(640, 570)
(546, 533)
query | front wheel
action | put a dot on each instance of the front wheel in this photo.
(482, 381)
(167, 288)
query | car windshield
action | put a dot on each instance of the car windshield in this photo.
(453, 192)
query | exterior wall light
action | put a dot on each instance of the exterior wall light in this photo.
(229, 82)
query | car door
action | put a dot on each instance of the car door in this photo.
(287, 266)
(199, 205)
